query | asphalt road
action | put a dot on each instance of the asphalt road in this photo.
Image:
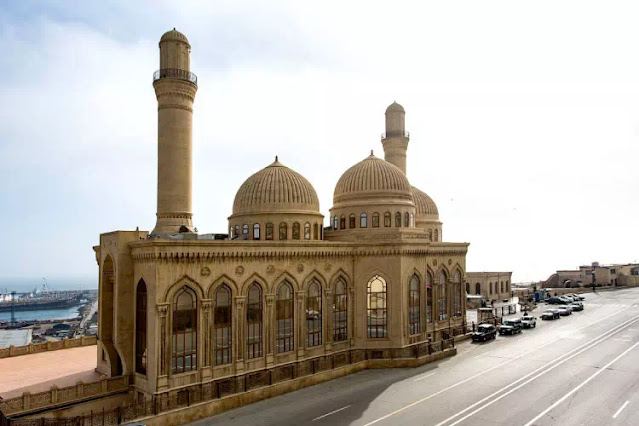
(579, 370)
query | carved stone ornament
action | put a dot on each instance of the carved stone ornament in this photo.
(435, 262)
(163, 310)
(239, 271)
(300, 268)
(328, 267)
(450, 261)
(206, 305)
(270, 269)
(205, 271)
(270, 298)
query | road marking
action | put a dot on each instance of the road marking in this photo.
(423, 377)
(620, 409)
(332, 412)
(598, 372)
(621, 340)
(543, 370)
(399, 410)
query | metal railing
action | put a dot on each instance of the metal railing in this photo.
(396, 133)
(175, 73)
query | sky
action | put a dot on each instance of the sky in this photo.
(523, 116)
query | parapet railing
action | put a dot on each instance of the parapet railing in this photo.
(175, 73)
(398, 133)
(34, 348)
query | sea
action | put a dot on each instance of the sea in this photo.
(25, 285)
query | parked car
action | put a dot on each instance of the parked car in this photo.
(529, 321)
(577, 306)
(558, 301)
(484, 332)
(564, 311)
(511, 326)
(550, 314)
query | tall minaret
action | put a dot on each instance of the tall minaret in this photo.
(395, 140)
(175, 88)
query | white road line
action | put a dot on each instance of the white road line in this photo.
(621, 340)
(332, 412)
(423, 377)
(399, 410)
(543, 370)
(598, 372)
(620, 409)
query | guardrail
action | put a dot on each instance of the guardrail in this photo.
(34, 348)
(175, 73)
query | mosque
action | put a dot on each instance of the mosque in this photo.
(283, 298)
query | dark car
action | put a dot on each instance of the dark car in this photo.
(558, 301)
(511, 326)
(484, 332)
(550, 314)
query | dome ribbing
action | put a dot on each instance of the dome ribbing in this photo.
(425, 205)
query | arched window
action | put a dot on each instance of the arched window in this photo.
(222, 325)
(442, 290)
(507, 286)
(335, 222)
(387, 220)
(314, 314)
(491, 288)
(430, 235)
(477, 288)
(412, 220)
(307, 231)
(315, 231)
(376, 309)
(351, 221)
(406, 220)
(245, 231)
(254, 314)
(296, 231)
(256, 231)
(184, 331)
(140, 328)
(283, 231)
(284, 318)
(501, 286)
(269, 231)
(413, 306)
(457, 295)
(467, 288)
(375, 220)
(436, 235)
(340, 312)
(321, 229)
(342, 222)
(398, 220)
(362, 220)
(429, 297)
(237, 231)
(230, 232)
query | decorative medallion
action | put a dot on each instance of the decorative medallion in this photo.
(435, 262)
(300, 268)
(239, 270)
(205, 271)
(270, 269)
(450, 261)
(328, 267)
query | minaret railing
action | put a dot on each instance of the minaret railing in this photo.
(175, 73)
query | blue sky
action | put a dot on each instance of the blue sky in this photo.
(524, 119)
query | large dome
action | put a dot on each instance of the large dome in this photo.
(424, 204)
(370, 179)
(276, 188)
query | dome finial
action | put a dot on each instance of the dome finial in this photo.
(372, 155)
(276, 159)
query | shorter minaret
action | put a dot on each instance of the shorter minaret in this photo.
(395, 140)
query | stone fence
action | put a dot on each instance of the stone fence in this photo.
(34, 348)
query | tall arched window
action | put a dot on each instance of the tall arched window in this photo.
(477, 288)
(335, 222)
(254, 314)
(269, 231)
(314, 314)
(507, 286)
(429, 297)
(351, 221)
(307, 231)
(387, 220)
(342, 222)
(501, 286)
(340, 312)
(237, 230)
(413, 305)
(491, 288)
(245, 231)
(457, 295)
(412, 220)
(442, 289)
(315, 231)
(406, 220)
(375, 220)
(184, 355)
(467, 288)
(376, 309)
(222, 325)
(296, 231)
(283, 231)
(284, 318)
(231, 232)
(436, 235)
(398, 220)
(256, 231)
(140, 328)
(430, 235)
(362, 220)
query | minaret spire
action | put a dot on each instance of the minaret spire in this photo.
(395, 140)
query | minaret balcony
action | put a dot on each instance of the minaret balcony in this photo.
(175, 73)
(395, 133)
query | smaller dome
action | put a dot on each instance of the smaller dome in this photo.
(395, 107)
(425, 205)
(174, 35)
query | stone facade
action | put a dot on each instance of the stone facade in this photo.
(493, 286)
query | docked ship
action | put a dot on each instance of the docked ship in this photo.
(39, 299)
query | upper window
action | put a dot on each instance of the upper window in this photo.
(375, 220)
(429, 297)
(387, 220)
(398, 220)
(335, 222)
(283, 231)
(406, 219)
(254, 314)
(256, 231)
(413, 305)
(362, 220)
(477, 288)
(315, 231)
(140, 328)
(342, 222)
(307, 231)
(442, 297)
(269, 231)
(436, 235)
(237, 230)
(457, 295)
(284, 318)
(430, 235)
(245, 230)
(314, 314)
(376, 308)
(296, 231)
(184, 348)
(222, 325)
(351, 221)
(412, 220)
(340, 312)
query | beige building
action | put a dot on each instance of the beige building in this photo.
(281, 301)
(493, 286)
(603, 275)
